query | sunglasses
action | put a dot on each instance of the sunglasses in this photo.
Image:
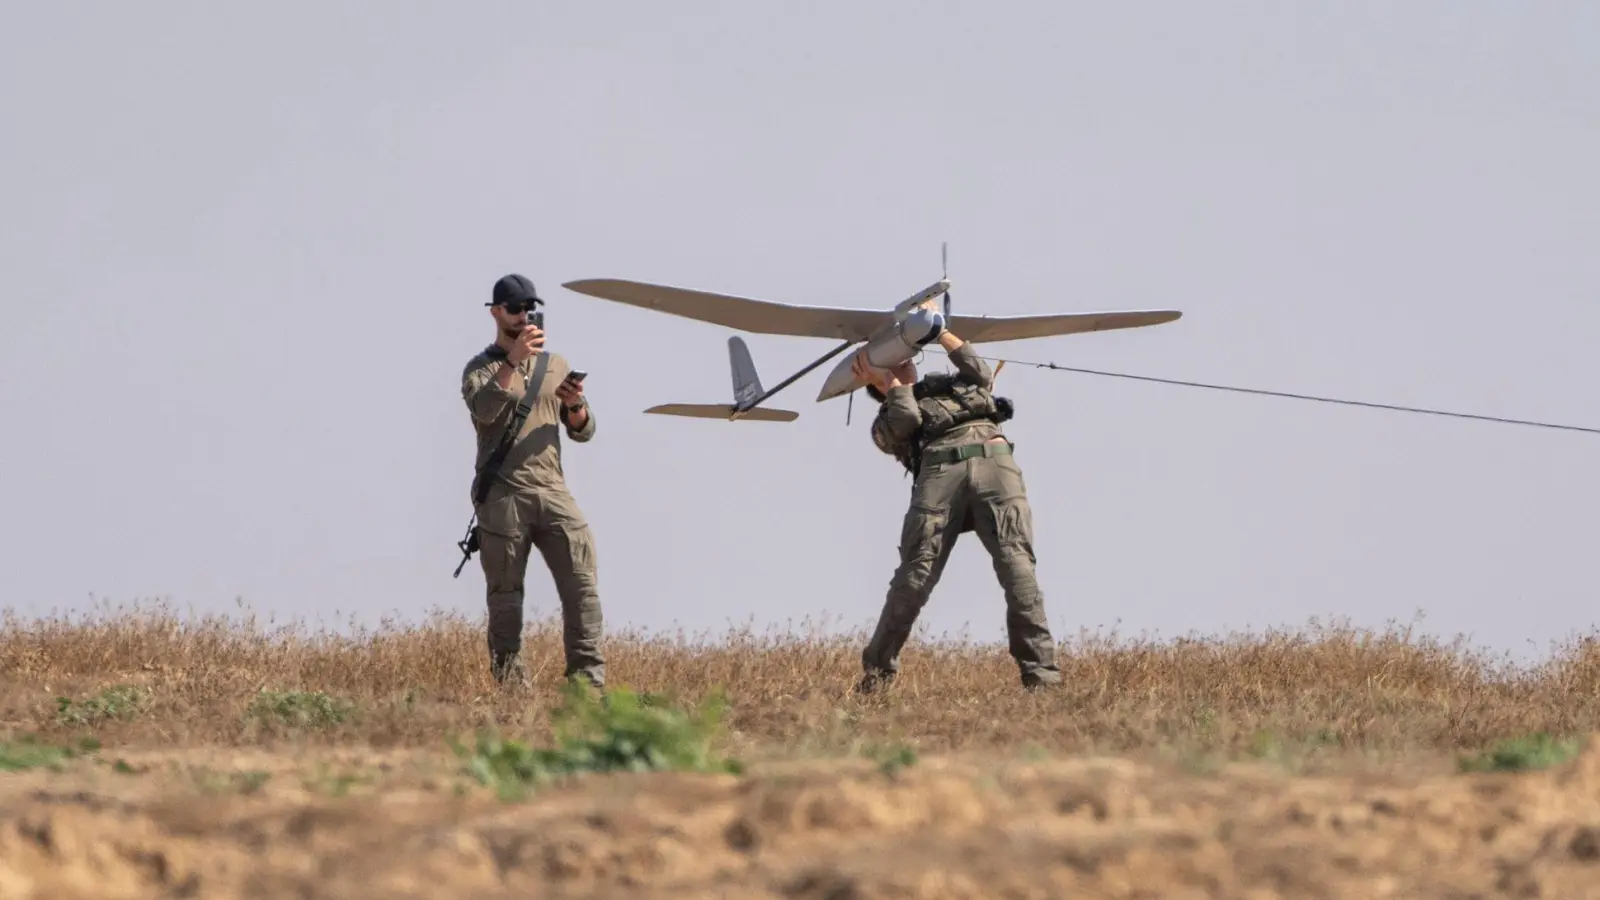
(516, 307)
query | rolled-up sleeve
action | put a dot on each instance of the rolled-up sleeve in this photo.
(581, 435)
(485, 399)
(972, 368)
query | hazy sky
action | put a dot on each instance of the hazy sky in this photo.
(247, 249)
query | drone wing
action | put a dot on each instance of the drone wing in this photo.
(739, 313)
(994, 329)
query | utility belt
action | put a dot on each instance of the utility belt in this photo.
(987, 449)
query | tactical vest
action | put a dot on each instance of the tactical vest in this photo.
(947, 402)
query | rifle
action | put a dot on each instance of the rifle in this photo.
(470, 544)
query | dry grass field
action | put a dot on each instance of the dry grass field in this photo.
(147, 755)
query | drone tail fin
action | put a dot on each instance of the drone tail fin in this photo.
(746, 391)
(746, 383)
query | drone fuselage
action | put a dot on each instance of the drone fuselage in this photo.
(896, 342)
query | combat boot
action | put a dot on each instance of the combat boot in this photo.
(589, 681)
(874, 681)
(1041, 680)
(508, 670)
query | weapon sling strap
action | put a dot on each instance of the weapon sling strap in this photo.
(530, 396)
(491, 466)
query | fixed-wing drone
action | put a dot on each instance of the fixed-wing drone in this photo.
(889, 337)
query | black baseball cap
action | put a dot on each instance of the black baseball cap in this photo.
(514, 288)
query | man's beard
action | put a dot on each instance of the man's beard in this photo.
(511, 331)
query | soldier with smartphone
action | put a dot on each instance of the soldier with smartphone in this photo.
(523, 503)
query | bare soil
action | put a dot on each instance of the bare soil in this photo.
(824, 830)
(1314, 764)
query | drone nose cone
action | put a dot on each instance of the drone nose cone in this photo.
(840, 381)
(921, 325)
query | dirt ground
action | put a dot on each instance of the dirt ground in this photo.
(239, 761)
(325, 824)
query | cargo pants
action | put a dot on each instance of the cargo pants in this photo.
(985, 494)
(512, 525)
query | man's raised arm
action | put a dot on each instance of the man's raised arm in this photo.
(972, 368)
(488, 396)
(575, 412)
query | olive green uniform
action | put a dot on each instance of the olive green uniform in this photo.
(963, 483)
(529, 507)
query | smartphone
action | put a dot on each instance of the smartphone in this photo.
(577, 375)
(536, 319)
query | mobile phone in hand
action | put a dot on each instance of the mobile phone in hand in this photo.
(536, 319)
(577, 375)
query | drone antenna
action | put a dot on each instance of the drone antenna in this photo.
(849, 405)
(944, 268)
